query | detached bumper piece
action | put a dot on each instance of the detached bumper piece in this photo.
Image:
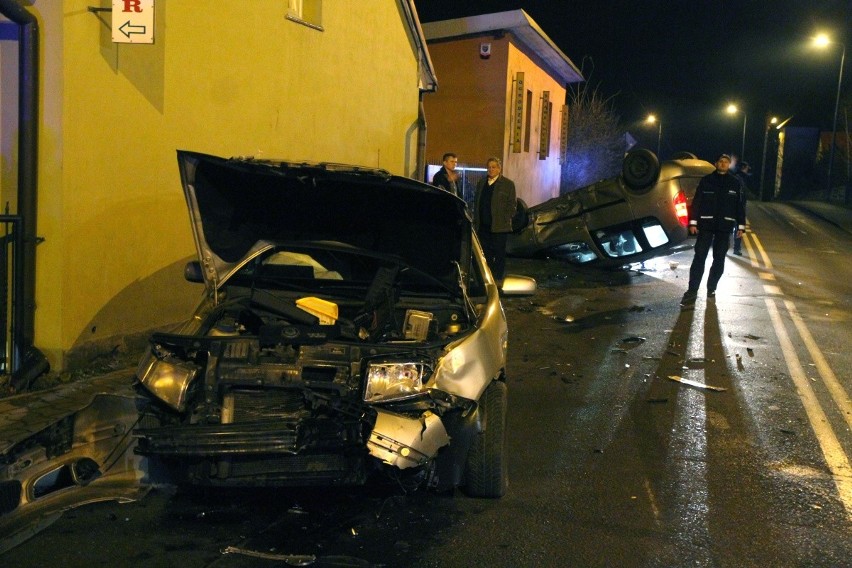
(407, 442)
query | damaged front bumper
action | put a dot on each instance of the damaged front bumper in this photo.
(405, 442)
(314, 451)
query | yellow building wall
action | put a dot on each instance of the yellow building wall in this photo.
(471, 113)
(229, 78)
(536, 180)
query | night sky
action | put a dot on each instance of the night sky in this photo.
(685, 60)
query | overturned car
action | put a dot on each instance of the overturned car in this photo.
(349, 325)
(637, 215)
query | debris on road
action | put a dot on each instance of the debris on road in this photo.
(631, 342)
(291, 559)
(696, 384)
(695, 363)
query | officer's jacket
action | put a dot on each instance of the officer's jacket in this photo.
(719, 203)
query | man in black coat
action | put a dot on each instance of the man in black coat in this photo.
(717, 208)
(494, 207)
(447, 177)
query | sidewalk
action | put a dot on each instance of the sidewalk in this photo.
(838, 215)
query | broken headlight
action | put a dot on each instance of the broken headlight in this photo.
(168, 379)
(395, 380)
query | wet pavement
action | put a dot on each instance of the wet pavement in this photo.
(612, 461)
(838, 215)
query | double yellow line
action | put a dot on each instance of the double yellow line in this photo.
(835, 457)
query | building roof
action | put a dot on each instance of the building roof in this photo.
(520, 25)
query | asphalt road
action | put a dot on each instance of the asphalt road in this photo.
(613, 463)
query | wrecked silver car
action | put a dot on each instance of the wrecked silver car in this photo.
(350, 325)
(640, 214)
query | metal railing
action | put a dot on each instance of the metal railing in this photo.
(9, 263)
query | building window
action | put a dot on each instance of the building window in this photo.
(518, 114)
(305, 12)
(544, 128)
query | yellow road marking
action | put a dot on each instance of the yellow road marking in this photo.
(766, 262)
(828, 377)
(833, 452)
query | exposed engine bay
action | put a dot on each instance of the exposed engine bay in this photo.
(320, 384)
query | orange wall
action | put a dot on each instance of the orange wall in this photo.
(466, 114)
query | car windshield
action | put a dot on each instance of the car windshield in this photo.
(338, 269)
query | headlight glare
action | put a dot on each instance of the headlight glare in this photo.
(390, 381)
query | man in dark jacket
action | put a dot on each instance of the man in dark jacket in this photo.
(494, 207)
(447, 177)
(717, 209)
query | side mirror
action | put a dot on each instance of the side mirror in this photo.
(515, 285)
(192, 272)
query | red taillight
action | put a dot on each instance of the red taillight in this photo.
(680, 208)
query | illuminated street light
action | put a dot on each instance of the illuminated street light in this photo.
(733, 109)
(651, 120)
(769, 123)
(823, 41)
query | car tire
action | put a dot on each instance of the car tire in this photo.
(684, 156)
(521, 218)
(640, 169)
(486, 470)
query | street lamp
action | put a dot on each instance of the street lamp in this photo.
(769, 123)
(733, 109)
(822, 41)
(651, 120)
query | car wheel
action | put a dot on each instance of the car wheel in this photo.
(684, 156)
(640, 169)
(486, 470)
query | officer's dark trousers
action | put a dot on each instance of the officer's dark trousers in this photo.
(719, 241)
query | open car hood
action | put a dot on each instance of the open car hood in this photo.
(238, 206)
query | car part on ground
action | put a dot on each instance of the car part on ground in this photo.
(66, 447)
(640, 214)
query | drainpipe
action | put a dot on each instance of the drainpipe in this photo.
(27, 362)
(421, 140)
(428, 83)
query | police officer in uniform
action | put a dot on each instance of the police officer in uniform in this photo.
(717, 208)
